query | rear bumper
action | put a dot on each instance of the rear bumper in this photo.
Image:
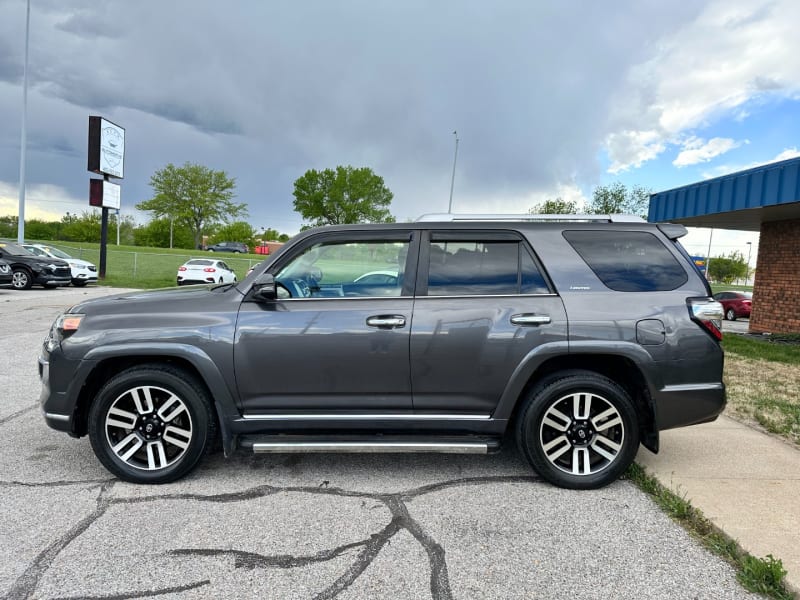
(682, 405)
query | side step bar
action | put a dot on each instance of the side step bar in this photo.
(377, 444)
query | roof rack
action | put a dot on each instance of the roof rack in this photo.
(620, 218)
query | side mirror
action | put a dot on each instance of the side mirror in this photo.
(264, 287)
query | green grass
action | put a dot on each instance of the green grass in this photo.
(724, 287)
(760, 575)
(143, 267)
(783, 348)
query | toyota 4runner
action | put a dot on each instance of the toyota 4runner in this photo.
(578, 337)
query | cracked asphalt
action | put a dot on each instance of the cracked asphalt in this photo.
(312, 526)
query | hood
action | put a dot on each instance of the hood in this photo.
(165, 300)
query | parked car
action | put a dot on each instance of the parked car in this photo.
(577, 340)
(735, 304)
(236, 247)
(203, 270)
(82, 271)
(5, 272)
(28, 269)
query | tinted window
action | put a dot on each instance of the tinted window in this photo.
(628, 261)
(482, 268)
(340, 268)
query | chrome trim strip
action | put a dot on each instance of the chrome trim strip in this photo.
(549, 294)
(692, 387)
(57, 417)
(365, 417)
(370, 447)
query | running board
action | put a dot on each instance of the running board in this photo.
(369, 444)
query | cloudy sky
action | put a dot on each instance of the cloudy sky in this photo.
(548, 98)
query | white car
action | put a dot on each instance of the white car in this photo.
(83, 271)
(205, 270)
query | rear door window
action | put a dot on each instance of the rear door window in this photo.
(628, 261)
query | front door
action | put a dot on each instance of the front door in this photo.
(337, 336)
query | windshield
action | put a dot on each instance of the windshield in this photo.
(14, 250)
(56, 252)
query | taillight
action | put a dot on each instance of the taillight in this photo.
(708, 313)
(210, 270)
(181, 268)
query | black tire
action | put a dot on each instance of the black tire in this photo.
(21, 279)
(79, 282)
(603, 453)
(730, 314)
(166, 429)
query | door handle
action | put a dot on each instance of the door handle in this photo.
(386, 321)
(530, 319)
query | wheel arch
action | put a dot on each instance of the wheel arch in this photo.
(620, 368)
(110, 361)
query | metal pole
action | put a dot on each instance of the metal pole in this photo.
(749, 250)
(453, 178)
(117, 227)
(24, 133)
(708, 255)
(171, 221)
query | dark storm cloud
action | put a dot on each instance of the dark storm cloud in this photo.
(528, 86)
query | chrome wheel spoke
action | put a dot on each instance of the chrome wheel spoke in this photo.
(581, 406)
(156, 457)
(143, 400)
(177, 436)
(556, 419)
(130, 444)
(171, 408)
(555, 448)
(605, 447)
(581, 464)
(121, 418)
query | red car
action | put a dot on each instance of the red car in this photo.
(735, 304)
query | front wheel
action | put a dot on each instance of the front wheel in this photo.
(79, 282)
(151, 424)
(579, 430)
(21, 279)
(730, 314)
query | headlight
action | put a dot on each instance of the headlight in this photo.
(74, 265)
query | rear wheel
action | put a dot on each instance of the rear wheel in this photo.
(579, 430)
(730, 314)
(151, 424)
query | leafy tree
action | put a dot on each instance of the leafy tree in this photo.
(346, 195)
(8, 226)
(194, 196)
(156, 234)
(239, 231)
(85, 228)
(727, 268)
(559, 206)
(616, 199)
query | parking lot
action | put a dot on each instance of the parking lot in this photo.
(313, 526)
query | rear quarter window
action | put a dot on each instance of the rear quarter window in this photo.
(628, 261)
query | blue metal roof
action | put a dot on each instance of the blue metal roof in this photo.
(741, 200)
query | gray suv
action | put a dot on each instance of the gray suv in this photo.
(577, 337)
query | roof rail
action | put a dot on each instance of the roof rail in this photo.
(620, 218)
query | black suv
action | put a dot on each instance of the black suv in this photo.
(28, 269)
(5, 272)
(235, 247)
(579, 339)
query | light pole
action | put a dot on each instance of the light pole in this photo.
(708, 255)
(453, 178)
(749, 250)
(24, 133)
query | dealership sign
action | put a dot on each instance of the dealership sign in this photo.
(106, 148)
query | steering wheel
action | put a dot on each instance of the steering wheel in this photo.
(302, 287)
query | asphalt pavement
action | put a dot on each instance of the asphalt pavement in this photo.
(313, 526)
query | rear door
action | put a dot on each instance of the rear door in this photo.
(483, 304)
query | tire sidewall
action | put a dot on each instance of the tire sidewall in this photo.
(543, 397)
(196, 403)
(24, 273)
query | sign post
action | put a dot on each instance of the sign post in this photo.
(106, 158)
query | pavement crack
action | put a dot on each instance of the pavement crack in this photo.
(141, 593)
(19, 413)
(26, 584)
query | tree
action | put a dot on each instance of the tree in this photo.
(346, 195)
(194, 196)
(239, 231)
(727, 268)
(156, 233)
(559, 206)
(617, 199)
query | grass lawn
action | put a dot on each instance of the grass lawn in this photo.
(763, 382)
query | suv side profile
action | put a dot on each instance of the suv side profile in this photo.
(235, 247)
(577, 337)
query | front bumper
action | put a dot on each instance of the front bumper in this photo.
(62, 380)
(51, 279)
